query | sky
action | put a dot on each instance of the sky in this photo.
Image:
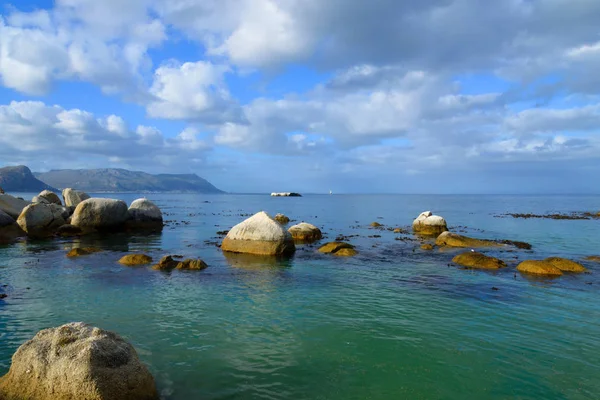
(353, 96)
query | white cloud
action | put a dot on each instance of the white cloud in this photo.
(191, 91)
(51, 136)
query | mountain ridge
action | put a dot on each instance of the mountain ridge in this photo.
(19, 178)
(123, 180)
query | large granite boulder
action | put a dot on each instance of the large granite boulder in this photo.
(9, 229)
(305, 232)
(429, 224)
(534, 267)
(473, 259)
(259, 234)
(77, 361)
(100, 215)
(456, 240)
(12, 205)
(74, 197)
(144, 214)
(51, 197)
(42, 219)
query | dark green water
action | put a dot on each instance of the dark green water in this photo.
(394, 322)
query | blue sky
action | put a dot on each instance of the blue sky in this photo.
(411, 96)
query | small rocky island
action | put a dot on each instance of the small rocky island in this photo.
(285, 194)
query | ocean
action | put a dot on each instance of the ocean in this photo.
(394, 322)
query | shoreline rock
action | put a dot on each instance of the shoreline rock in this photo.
(77, 361)
(12, 206)
(565, 265)
(73, 197)
(42, 219)
(144, 215)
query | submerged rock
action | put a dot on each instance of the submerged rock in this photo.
(593, 258)
(144, 214)
(538, 268)
(565, 265)
(473, 259)
(74, 197)
(456, 240)
(305, 232)
(135, 259)
(192, 265)
(338, 249)
(427, 246)
(83, 251)
(12, 206)
(429, 224)
(376, 225)
(259, 234)
(282, 219)
(165, 264)
(100, 215)
(77, 361)
(41, 219)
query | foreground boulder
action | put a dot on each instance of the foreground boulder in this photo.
(339, 249)
(12, 205)
(42, 219)
(473, 259)
(77, 361)
(565, 265)
(51, 197)
(144, 214)
(135, 259)
(100, 215)
(429, 224)
(74, 197)
(538, 268)
(456, 240)
(259, 234)
(305, 232)
(9, 229)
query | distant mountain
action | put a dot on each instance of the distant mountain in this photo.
(122, 180)
(20, 179)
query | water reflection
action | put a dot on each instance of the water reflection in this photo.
(257, 262)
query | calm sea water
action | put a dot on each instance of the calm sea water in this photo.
(394, 322)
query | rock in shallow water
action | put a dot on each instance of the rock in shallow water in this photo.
(565, 265)
(305, 232)
(429, 224)
(144, 214)
(456, 240)
(534, 267)
(282, 219)
(339, 249)
(259, 234)
(85, 251)
(41, 219)
(77, 361)
(100, 215)
(135, 259)
(473, 259)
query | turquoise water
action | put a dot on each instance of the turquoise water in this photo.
(394, 322)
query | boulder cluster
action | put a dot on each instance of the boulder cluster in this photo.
(46, 215)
